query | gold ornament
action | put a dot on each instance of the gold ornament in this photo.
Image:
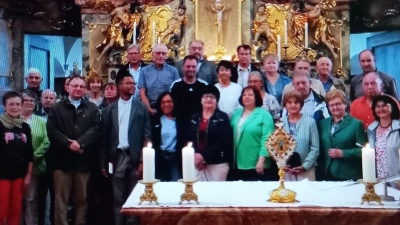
(148, 195)
(189, 194)
(370, 195)
(280, 145)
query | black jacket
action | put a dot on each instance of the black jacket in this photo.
(219, 147)
(65, 123)
(156, 137)
(235, 74)
(16, 151)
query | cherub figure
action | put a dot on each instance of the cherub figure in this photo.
(176, 22)
(121, 21)
(313, 14)
(261, 24)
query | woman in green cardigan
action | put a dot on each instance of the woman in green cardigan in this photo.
(340, 157)
(251, 127)
(35, 197)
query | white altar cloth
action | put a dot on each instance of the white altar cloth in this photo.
(256, 194)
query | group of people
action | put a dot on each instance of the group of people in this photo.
(86, 144)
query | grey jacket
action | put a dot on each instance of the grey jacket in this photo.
(392, 145)
(139, 131)
(207, 71)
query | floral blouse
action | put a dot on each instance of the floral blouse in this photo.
(380, 154)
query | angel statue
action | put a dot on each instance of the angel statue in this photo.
(261, 25)
(121, 23)
(314, 14)
(176, 23)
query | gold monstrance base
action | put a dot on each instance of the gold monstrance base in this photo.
(148, 195)
(189, 194)
(370, 195)
(281, 194)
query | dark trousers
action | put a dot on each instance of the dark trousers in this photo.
(167, 166)
(99, 199)
(124, 180)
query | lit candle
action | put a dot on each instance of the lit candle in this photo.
(368, 164)
(188, 167)
(285, 33)
(306, 35)
(134, 33)
(159, 40)
(278, 51)
(154, 33)
(148, 163)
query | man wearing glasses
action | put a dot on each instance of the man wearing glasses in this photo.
(73, 128)
(205, 70)
(134, 66)
(125, 129)
(156, 78)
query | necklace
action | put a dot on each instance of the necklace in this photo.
(390, 124)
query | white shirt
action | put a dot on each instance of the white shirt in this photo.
(229, 97)
(76, 103)
(243, 76)
(135, 74)
(124, 112)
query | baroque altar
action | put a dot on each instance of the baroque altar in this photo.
(292, 29)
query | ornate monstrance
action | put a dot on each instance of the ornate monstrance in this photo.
(280, 145)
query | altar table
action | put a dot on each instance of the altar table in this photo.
(245, 203)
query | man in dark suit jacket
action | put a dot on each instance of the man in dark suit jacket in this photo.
(240, 73)
(134, 65)
(126, 128)
(206, 70)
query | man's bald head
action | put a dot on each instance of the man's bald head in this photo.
(324, 67)
(372, 84)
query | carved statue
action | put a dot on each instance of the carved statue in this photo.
(121, 22)
(218, 8)
(261, 25)
(176, 23)
(314, 14)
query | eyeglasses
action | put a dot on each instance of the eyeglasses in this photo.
(166, 102)
(160, 53)
(78, 86)
(130, 83)
(212, 97)
(337, 105)
(133, 53)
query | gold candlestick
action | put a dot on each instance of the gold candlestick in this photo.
(189, 194)
(370, 195)
(148, 195)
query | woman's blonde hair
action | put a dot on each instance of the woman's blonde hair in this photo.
(336, 94)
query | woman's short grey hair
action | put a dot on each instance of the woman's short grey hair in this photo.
(29, 94)
(258, 74)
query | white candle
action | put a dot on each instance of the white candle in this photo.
(306, 35)
(148, 163)
(368, 164)
(154, 33)
(134, 33)
(278, 50)
(188, 167)
(159, 40)
(285, 33)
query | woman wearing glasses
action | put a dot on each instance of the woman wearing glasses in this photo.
(211, 135)
(340, 157)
